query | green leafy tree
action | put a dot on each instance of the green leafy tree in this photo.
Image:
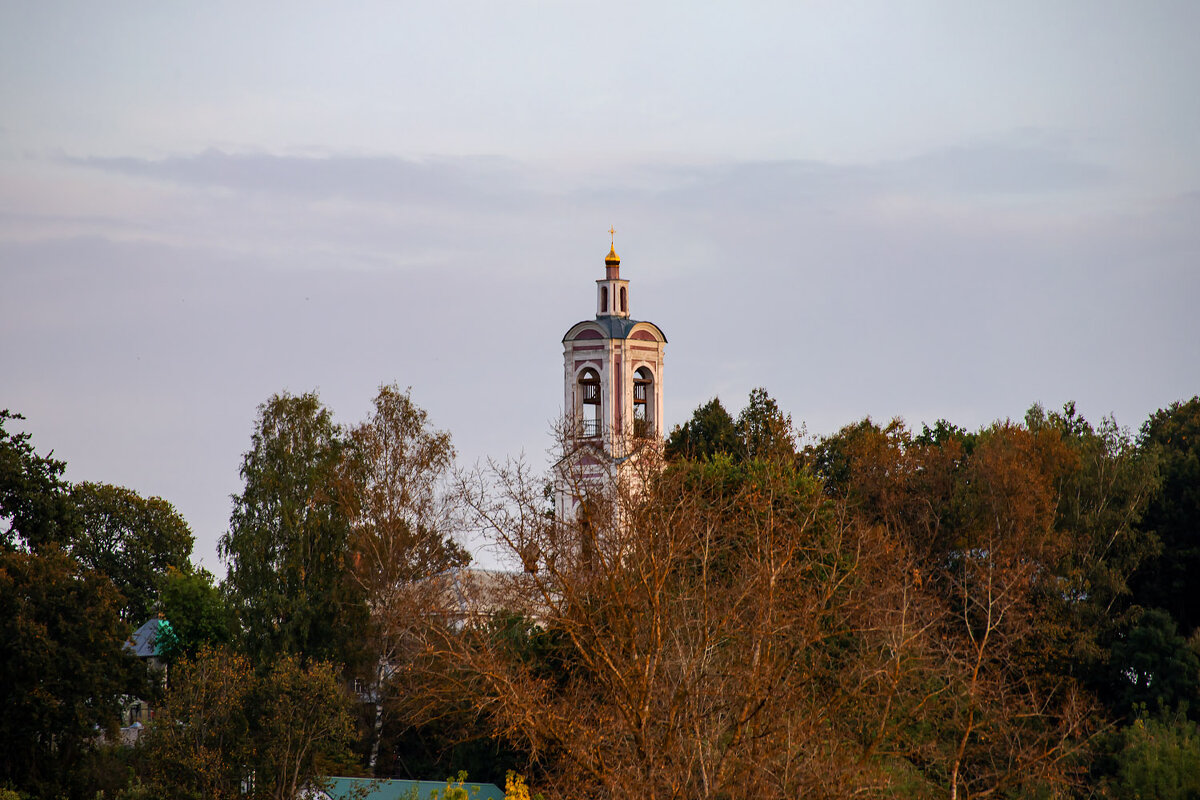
(766, 432)
(942, 433)
(890, 478)
(62, 668)
(287, 544)
(34, 506)
(200, 744)
(1159, 759)
(710, 431)
(1168, 580)
(761, 431)
(1102, 484)
(131, 539)
(304, 726)
(1158, 670)
(838, 459)
(198, 612)
(225, 732)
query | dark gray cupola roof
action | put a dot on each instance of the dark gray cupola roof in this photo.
(613, 327)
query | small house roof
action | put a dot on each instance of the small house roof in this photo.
(144, 641)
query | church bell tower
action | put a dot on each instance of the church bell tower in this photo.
(612, 378)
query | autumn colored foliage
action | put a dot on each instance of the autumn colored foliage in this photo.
(739, 611)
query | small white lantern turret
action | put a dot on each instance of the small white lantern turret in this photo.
(612, 293)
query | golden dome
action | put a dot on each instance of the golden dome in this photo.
(612, 257)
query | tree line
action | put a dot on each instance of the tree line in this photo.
(739, 611)
(257, 698)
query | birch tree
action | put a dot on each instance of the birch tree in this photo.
(400, 532)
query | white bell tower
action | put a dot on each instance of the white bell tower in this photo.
(612, 378)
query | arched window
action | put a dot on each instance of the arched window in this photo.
(589, 403)
(624, 307)
(603, 299)
(643, 403)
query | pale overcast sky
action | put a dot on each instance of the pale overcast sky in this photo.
(909, 209)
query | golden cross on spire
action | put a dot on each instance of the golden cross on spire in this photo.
(612, 233)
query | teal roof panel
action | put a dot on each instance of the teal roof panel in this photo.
(381, 789)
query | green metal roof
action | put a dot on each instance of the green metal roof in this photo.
(341, 788)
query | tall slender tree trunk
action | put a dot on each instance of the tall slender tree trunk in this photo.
(378, 731)
(376, 736)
